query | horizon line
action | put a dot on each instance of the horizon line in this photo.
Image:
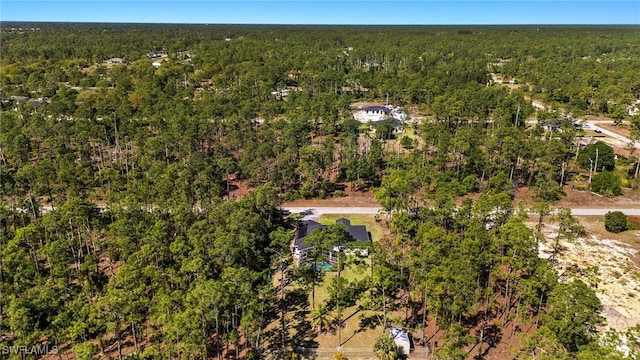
(306, 24)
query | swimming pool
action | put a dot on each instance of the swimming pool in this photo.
(323, 266)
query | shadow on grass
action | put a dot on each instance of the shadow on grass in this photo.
(369, 322)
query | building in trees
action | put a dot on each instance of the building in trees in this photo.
(379, 113)
(372, 113)
(157, 53)
(115, 60)
(302, 245)
(401, 338)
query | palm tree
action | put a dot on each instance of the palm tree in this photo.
(320, 318)
(385, 348)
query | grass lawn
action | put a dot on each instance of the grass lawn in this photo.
(393, 145)
(356, 334)
(352, 272)
(373, 227)
(594, 225)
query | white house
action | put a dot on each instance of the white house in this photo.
(372, 113)
(115, 61)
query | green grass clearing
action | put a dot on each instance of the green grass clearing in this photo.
(355, 269)
(374, 228)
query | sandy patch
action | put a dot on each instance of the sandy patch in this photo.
(617, 283)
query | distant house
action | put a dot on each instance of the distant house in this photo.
(501, 62)
(19, 98)
(300, 250)
(552, 126)
(382, 114)
(157, 54)
(377, 110)
(115, 61)
(633, 110)
(294, 73)
(372, 113)
(282, 93)
(372, 64)
(499, 79)
(401, 338)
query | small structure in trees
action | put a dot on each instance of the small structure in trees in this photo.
(401, 338)
(115, 60)
(157, 53)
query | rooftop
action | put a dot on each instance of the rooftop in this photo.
(385, 109)
(356, 232)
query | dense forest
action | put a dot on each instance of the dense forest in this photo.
(118, 224)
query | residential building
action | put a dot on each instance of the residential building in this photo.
(115, 61)
(356, 233)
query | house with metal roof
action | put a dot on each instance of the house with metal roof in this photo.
(356, 234)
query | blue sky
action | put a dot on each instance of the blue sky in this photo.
(382, 12)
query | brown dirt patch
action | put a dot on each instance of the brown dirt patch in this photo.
(363, 104)
(630, 199)
(586, 199)
(237, 188)
(363, 198)
(525, 196)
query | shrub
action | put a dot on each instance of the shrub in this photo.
(615, 221)
(406, 142)
(470, 182)
(606, 183)
(633, 222)
(580, 187)
(290, 195)
(339, 193)
(579, 177)
(86, 350)
(385, 348)
(340, 356)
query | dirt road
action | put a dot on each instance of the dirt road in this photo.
(314, 213)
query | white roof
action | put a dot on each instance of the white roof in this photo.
(399, 336)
